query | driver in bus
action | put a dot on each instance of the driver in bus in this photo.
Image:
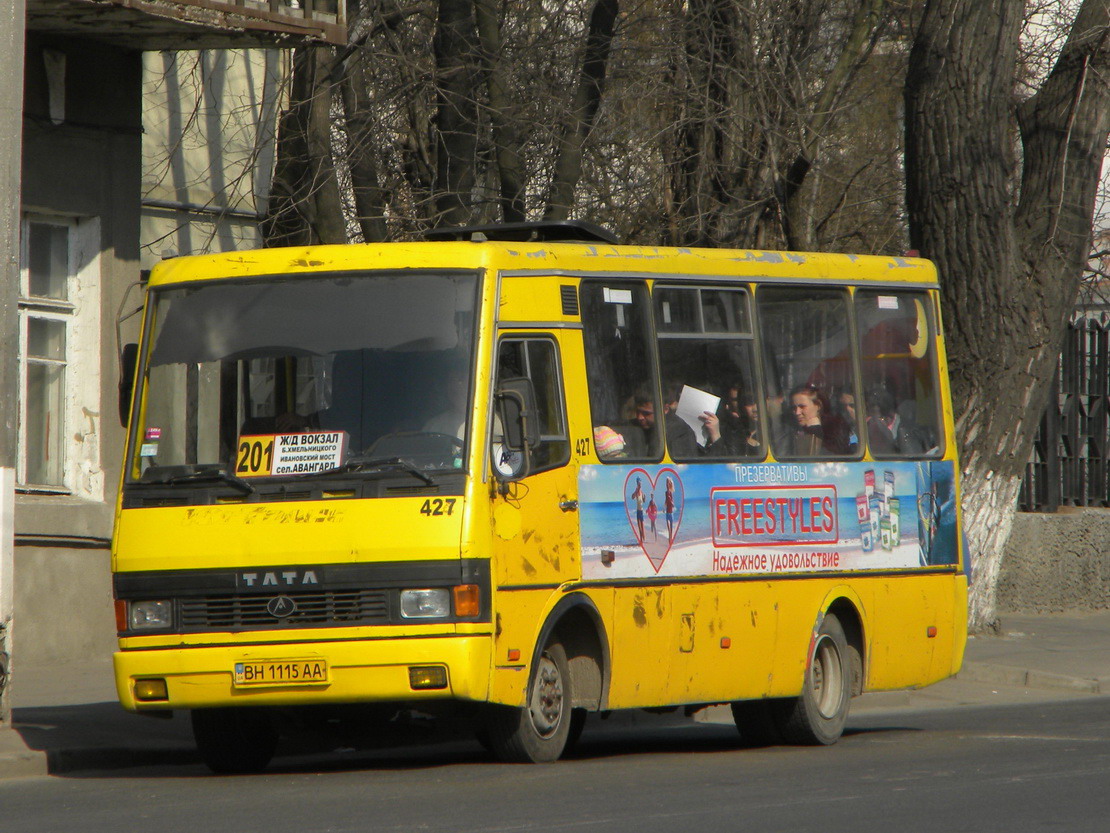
(452, 419)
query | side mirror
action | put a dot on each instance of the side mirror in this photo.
(128, 361)
(516, 405)
(518, 430)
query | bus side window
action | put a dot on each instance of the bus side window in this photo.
(537, 359)
(898, 359)
(706, 343)
(620, 370)
(807, 362)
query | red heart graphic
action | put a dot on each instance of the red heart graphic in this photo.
(650, 524)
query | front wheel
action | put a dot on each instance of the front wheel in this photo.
(817, 718)
(537, 733)
(233, 741)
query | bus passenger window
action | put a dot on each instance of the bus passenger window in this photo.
(898, 361)
(537, 359)
(807, 361)
(620, 371)
(706, 344)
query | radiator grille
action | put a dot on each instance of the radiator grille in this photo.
(323, 609)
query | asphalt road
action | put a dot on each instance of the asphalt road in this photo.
(1014, 768)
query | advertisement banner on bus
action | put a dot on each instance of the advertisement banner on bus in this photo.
(640, 521)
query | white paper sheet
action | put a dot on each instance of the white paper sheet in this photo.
(692, 403)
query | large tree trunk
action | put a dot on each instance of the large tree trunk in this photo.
(1009, 275)
(797, 212)
(502, 115)
(369, 197)
(456, 53)
(587, 101)
(358, 112)
(305, 205)
(706, 131)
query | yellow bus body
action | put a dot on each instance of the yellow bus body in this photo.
(686, 640)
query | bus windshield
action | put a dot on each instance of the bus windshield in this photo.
(290, 376)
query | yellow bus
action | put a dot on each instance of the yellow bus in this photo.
(523, 473)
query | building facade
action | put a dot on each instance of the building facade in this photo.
(73, 230)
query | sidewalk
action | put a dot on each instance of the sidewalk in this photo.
(66, 718)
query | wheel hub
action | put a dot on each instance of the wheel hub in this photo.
(546, 707)
(827, 677)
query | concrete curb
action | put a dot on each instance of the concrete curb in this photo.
(1024, 678)
(16, 760)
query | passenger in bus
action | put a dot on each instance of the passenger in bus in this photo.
(779, 417)
(681, 441)
(817, 430)
(845, 404)
(888, 430)
(740, 421)
(608, 443)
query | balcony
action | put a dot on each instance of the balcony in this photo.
(192, 24)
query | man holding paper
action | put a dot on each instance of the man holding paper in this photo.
(690, 421)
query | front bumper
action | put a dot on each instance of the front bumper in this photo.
(358, 671)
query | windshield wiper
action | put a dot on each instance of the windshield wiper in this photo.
(177, 475)
(383, 464)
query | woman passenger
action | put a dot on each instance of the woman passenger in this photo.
(817, 430)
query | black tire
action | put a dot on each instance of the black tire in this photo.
(538, 732)
(235, 741)
(577, 724)
(755, 720)
(817, 718)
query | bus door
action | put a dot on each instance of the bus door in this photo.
(534, 545)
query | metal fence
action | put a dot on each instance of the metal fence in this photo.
(1069, 466)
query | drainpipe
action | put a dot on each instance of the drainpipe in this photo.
(12, 32)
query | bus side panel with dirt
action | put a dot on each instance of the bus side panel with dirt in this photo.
(517, 482)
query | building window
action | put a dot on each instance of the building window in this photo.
(58, 356)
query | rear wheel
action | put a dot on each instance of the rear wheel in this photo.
(818, 716)
(234, 740)
(538, 732)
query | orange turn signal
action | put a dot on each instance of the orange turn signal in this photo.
(467, 600)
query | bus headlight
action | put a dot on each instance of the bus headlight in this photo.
(433, 603)
(150, 615)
